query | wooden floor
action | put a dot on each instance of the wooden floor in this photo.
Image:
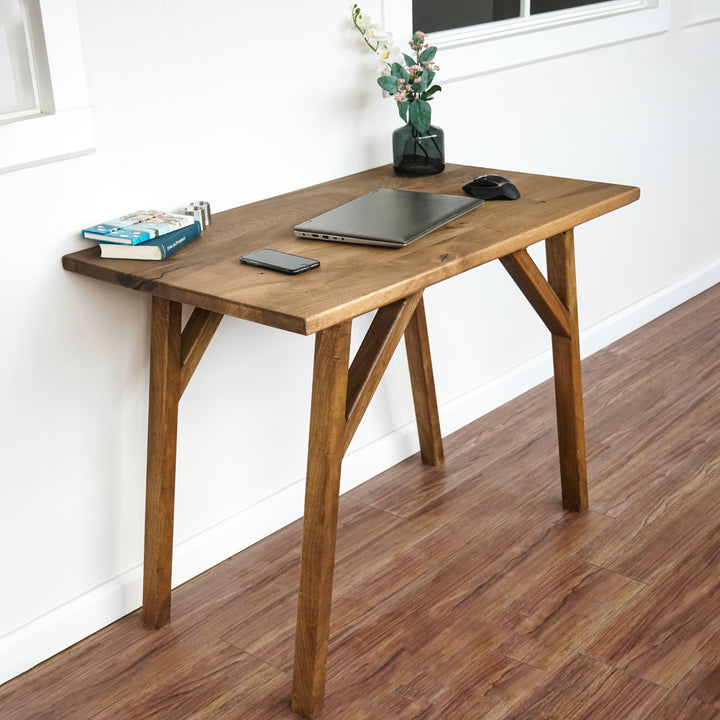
(467, 593)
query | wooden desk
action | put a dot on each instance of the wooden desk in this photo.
(352, 280)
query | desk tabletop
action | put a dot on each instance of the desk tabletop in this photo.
(352, 279)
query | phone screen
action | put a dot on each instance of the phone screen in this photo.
(280, 261)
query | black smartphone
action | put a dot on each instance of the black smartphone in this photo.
(280, 261)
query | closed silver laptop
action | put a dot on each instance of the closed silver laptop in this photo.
(387, 217)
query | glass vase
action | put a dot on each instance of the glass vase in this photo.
(418, 153)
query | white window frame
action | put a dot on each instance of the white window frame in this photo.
(466, 52)
(19, 89)
(64, 127)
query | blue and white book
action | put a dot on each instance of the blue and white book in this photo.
(137, 227)
(102, 230)
(156, 249)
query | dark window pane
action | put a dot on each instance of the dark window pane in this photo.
(541, 6)
(505, 9)
(433, 15)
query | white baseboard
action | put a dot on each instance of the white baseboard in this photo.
(63, 626)
(624, 322)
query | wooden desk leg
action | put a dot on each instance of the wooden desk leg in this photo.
(568, 383)
(162, 445)
(325, 453)
(417, 346)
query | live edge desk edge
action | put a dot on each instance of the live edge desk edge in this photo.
(351, 281)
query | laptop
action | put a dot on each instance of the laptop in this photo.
(387, 217)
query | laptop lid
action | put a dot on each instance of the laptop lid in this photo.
(386, 217)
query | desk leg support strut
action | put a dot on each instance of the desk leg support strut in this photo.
(555, 301)
(165, 366)
(560, 254)
(325, 453)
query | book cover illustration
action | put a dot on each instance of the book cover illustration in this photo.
(105, 228)
(163, 223)
(137, 227)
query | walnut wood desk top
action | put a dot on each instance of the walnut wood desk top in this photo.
(352, 279)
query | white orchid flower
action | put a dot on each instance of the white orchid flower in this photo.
(380, 35)
(388, 54)
(391, 54)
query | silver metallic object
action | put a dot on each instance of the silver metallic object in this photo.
(200, 211)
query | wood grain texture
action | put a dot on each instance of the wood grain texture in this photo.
(664, 631)
(373, 356)
(352, 279)
(422, 380)
(196, 336)
(165, 390)
(560, 252)
(540, 295)
(325, 453)
(589, 597)
(174, 356)
(445, 576)
(586, 688)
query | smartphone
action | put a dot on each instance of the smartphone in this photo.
(280, 261)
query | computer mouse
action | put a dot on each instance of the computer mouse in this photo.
(491, 187)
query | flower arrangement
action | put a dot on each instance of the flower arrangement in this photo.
(409, 82)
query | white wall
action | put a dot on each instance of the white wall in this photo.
(229, 102)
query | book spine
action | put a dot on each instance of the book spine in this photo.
(174, 240)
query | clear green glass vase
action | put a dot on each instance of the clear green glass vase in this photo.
(418, 153)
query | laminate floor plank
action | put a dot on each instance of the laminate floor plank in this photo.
(487, 572)
(704, 680)
(220, 682)
(478, 686)
(585, 689)
(560, 611)
(629, 475)
(524, 429)
(677, 706)
(696, 696)
(656, 534)
(466, 591)
(661, 634)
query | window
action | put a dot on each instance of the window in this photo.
(499, 41)
(18, 83)
(435, 16)
(44, 108)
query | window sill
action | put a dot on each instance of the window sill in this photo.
(46, 138)
(67, 130)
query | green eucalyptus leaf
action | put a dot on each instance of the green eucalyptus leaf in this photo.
(408, 60)
(399, 71)
(403, 110)
(420, 113)
(388, 83)
(421, 86)
(427, 95)
(428, 54)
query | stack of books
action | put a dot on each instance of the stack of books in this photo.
(143, 235)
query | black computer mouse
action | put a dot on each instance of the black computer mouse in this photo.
(491, 187)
